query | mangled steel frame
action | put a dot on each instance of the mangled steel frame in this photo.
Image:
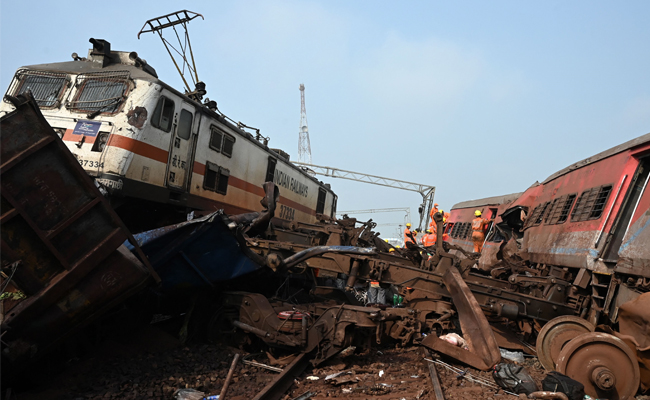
(325, 329)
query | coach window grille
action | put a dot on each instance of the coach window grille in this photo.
(533, 216)
(454, 230)
(599, 203)
(163, 114)
(100, 92)
(554, 211)
(566, 207)
(585, 204)
(46, 87)
(542, 213)
(466, 230)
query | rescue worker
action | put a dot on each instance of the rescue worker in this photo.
(433, 210)
(408, 234)
(428, 240)
(478, 231)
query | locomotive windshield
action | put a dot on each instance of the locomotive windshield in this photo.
(101, 92)
(47, 87)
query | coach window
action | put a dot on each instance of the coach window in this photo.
(185, 125)
(591, 203)
(163, 114)
(560, 209)
(450, 227)
(540, 217)
(601, 200)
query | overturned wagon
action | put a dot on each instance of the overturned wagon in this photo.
(63, 261)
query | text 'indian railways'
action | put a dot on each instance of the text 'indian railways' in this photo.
(284, 180)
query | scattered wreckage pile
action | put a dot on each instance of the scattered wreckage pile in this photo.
(310, 295)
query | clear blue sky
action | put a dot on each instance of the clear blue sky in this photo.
(477, 98)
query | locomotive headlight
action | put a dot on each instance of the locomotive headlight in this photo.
(60, 132)
(100, 142)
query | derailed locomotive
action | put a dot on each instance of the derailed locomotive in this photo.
(159, 153)
(585, 225)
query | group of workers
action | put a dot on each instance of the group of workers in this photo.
(479, 226)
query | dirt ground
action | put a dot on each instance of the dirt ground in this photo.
(152, 364)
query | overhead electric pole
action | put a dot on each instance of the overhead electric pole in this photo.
(304, 148)
(426, 191)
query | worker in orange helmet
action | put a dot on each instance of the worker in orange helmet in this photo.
(408, 235)
(433, 210)
(479, 225)
(428, 240)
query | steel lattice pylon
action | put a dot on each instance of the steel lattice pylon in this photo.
(426, 191)
(304, 148)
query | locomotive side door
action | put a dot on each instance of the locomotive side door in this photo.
(178, 165)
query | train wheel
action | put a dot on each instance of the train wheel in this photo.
(603, 363)
(555, 335)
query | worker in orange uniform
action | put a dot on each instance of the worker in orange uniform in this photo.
(478, 231)
(408, 234)
(428, 240)
(434, 210)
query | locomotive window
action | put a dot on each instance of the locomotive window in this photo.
(46, 87)
(184, 129)
(163, 114)
(228, 144)
(216, 178)
(221, 141)
(320, 205)
(222, 184)
(210, 177)
(270, 170)
(334, 201)
(216, 138)
(101, 92)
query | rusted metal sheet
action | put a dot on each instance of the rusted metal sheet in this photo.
(475, 327)
(65, 235)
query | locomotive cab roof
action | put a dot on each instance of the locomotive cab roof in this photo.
(102, 58)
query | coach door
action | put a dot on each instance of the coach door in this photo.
(622, 222)
(179, 163)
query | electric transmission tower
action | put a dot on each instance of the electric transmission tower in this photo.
(304, 148)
